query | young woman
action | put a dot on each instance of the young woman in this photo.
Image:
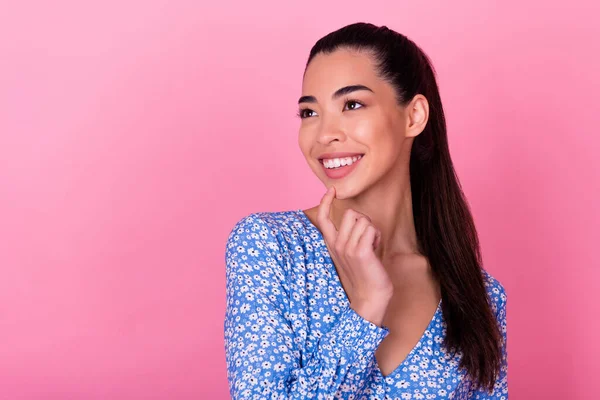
(379, 291)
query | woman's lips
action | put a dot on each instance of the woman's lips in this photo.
(341, 172)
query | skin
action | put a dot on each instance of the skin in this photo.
(378, 188)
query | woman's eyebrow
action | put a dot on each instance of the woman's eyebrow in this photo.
(338, 93)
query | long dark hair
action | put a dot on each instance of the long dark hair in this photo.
(445, 230)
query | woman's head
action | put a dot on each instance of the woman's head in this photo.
(397, 121)
(394, 106)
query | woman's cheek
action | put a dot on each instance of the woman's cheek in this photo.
(366, 126)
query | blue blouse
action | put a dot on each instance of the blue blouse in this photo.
(290, 333)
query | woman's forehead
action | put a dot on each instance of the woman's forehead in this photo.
(326, 73)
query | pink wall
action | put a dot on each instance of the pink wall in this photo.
(134, 134)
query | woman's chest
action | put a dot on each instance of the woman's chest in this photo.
(409, 321)
(427, 372)
(412, 367)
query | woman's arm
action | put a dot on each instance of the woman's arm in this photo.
(500, 391)
(262, 349)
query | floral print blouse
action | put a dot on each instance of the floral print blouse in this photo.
(290, 333)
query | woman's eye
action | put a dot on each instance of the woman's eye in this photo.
(303, 113)
(349, 105)
(354, 104)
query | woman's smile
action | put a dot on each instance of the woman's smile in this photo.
(338, 168)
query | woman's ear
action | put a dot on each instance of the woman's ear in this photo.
(417, 113)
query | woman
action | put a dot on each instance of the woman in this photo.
(379, 291)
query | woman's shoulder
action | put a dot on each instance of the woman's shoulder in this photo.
(495, 290)
(271, 223)
(263, 242)
(274, 230)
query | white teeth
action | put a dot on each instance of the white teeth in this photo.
(337, 162)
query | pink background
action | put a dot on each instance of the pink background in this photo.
(134, 134)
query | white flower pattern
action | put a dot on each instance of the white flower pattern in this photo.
(290, 333)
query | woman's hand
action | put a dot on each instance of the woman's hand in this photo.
(352, 250)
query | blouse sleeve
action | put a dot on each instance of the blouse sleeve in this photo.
(500, 391)
(262, 349)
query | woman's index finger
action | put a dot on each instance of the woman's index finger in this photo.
(327, 227)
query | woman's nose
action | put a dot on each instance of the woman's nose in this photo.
(330, 129)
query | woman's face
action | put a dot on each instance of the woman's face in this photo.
(363, 120)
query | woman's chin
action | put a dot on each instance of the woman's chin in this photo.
(343, 191)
